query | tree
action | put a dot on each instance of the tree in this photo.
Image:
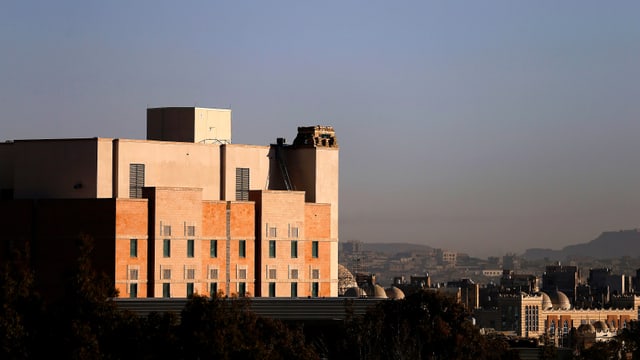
(424, 325)
(221, 328)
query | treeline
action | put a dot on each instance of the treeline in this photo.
(86, 324)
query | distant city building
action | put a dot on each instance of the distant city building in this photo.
(185, 211)
(562, 278)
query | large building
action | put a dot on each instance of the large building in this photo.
(185, 211)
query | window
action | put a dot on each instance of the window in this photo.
(242, 183)
(189, 289)
(315, 274)
(272, 289)
(213, 274)
(314, 249)
(273, 232)
(190, 274)
(242, 289)
(294, 274)
(294, 232)
(294, 249)
(213, 289)
(190, 230)
(314, 289)
(213, 251)
(166, 290)
(166, 248)
(133, 248)
(294, 289)
(272, 274)
(166, 274)
(190, 248)
(242, 274)
(133, 274)
(133, 290)
(242, 248)
(272, 248)
(166, 230)
(136, 180)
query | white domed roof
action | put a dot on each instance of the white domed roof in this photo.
(355, 292)
(546, 302)
(378, 292)
(394, 293)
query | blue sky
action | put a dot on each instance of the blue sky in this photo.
(484, 127)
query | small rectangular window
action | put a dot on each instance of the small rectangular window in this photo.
(242, 248)
(213, 289)
(166, 290)
(294, 232)
(189, 289)
(272, 289)
(294, 274)
(294, 289)
(214, 249)
(272, 274)
(191, 230)
(133, 290)
(133, 274)
(213, 274)
(314, 249)
(272, 248)
(294, 249)
(136, 180)
(166, 248)
(133, 248)
(242, 274)
(242, 183)
(315, 274)
(242, 289)
(190, 274)
(166, 274)
(315, 289)
(166, 230)
(273, 232)
(190, 248)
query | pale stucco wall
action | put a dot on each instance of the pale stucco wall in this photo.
(212, 126)
(254, 157)
(169, 164)
(64, 168)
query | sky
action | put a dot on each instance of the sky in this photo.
(483, 127)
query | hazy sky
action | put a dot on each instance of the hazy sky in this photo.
(483, 127)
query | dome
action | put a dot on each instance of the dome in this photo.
(394, 293)
(546, 302)
(560, 300)
(355, 292)
(586, 328)
(601, 326)
(378, 292)
(346, 280)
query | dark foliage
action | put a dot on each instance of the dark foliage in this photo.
(87, 324)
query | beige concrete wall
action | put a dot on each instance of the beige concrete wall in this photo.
(64, 168)
(316, 171)
(104, 186)
(6, 165)
(169, 164)
(212, 126)
(254, 157)
(171, 124)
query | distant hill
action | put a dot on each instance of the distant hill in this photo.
(393, 248)
(610, 244)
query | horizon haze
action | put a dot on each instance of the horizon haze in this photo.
(479, 127)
